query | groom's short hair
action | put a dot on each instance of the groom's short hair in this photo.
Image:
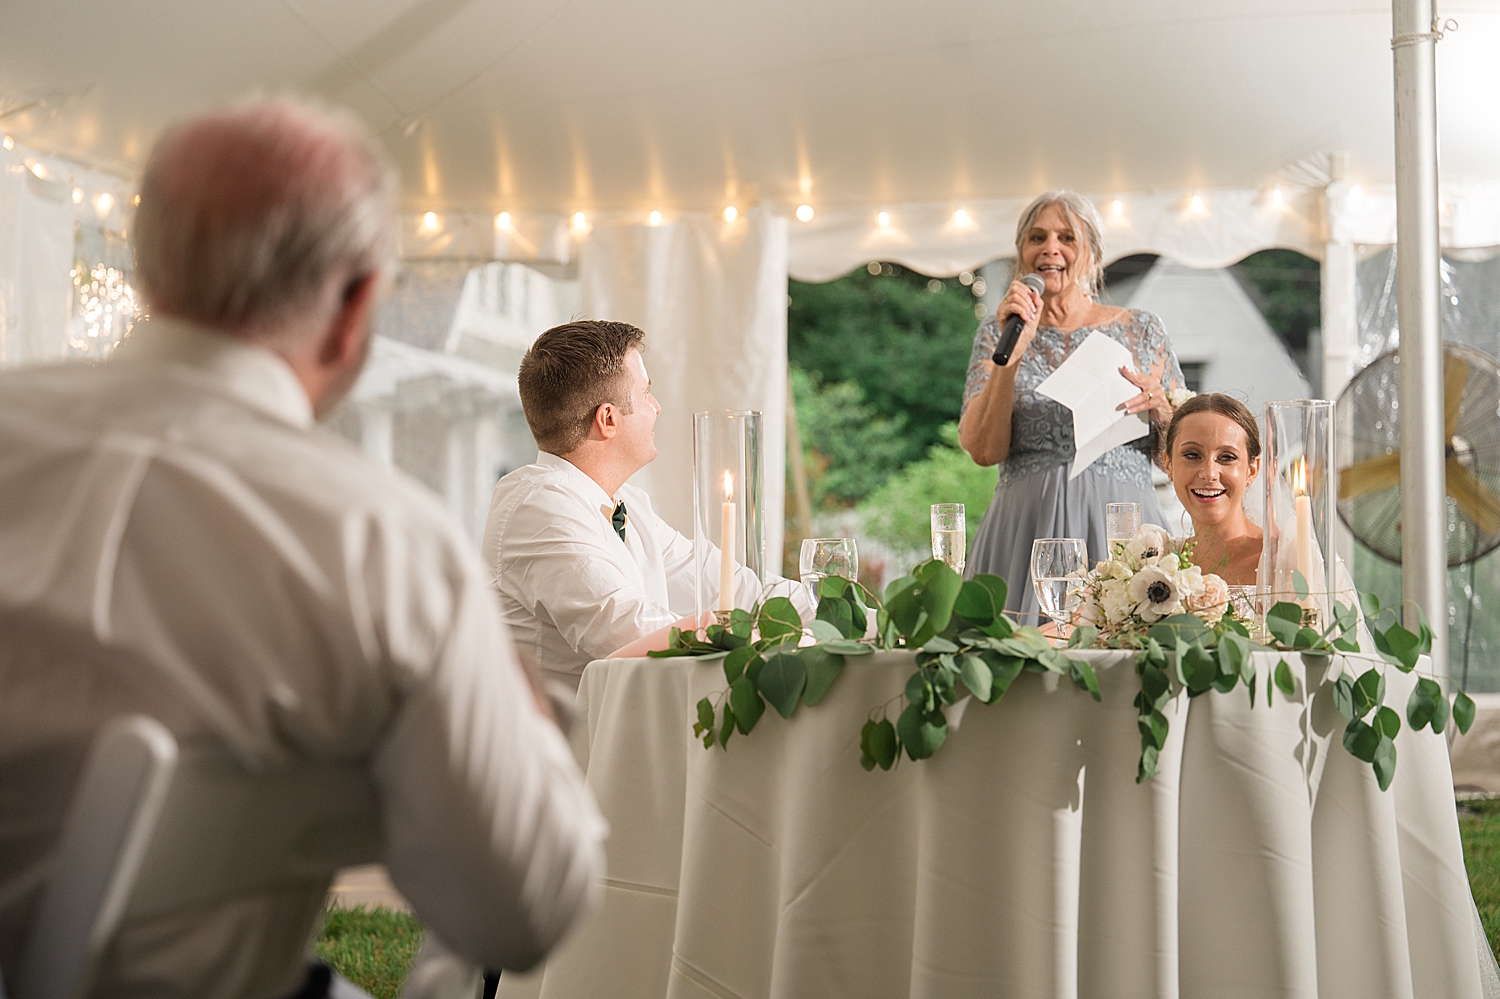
(569, 372)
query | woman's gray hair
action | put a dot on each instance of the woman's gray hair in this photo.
(1081, 213)
(246, 214)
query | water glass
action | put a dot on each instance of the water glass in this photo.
(827, 557)
(949, 535)
(1122, 521)
(1058, 567)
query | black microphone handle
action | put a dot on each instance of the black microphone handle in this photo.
(1009, 336)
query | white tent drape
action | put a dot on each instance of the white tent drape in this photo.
(36, 256)
(711, 297)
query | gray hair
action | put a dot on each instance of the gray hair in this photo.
(248, 213)
(1080, 212)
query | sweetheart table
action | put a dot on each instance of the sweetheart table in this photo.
(1022, 859)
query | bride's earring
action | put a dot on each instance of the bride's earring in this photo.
(1187, 525)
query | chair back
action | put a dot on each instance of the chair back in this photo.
(154, 828)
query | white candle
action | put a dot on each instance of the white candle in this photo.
(1305, 539)
(726, 546)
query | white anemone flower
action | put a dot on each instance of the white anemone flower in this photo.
(1156, 593)
(1149, 544)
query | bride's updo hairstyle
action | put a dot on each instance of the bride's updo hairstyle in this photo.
(1224, 405)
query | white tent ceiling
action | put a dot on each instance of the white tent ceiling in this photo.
(556, 106)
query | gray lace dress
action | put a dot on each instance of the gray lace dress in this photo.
(1034, 498)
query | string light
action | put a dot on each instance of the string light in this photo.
(104, 203)
(39, 170)
(804, 213)
(884, 219)
(1197, 203)
(1117, 208)
(430, 222)
(1276, 196)
(873, 267)
(106, 309)
(731, 213)
(77, 195)
(1356, 191)
(502, 221)
(8, 143)
(961, 218)
(655, 218)
(580, 222)
(137, 200)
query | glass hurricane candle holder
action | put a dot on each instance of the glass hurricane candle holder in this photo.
(1301, 490)
(729, 531)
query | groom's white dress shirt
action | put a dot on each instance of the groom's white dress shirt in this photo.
(178, 540)
(570, 589)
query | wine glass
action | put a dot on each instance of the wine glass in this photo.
(949, 536)
(827, 557)
(1122, 521)
(1058, 566)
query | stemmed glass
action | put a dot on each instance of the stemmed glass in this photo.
(1058, 566)
(827, 557)
(948, 535)
(1122, 521)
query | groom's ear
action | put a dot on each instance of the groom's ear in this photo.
(606, 422)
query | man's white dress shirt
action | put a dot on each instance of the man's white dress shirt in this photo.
(570, 589)
(178, 540)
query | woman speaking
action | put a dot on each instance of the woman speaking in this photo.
(1005, 422)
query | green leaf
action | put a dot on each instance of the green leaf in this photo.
(1299, 583)
(883, 744)
(1187, 628)
(866, 757)
(1232, 654)
(823, 667)
(831, 587)
(996, 586)
(1369, 691)
(902, 584)
(1385, 762)
(1386, 722)
(1003, 672)
(1147, 768)
(727, 729)
(1346, 645)
(1083, 637)
(706, 714)
(1362, 740)
(1370, 604)
(939, 645)
(747, 705)
(1463, 711)
(975, 603)
(1084, 678)
(1422, 705)
(735, 662)
(939, 592)
(1054, 661)
(1440, 716)
(905, 610)
(1199, 669)
(778, 617)
(849, 647)
(858, 620)
(919, 691)
(921, 732)
(1154, 684)
(977, 676)
(1306, 638)
(836, 617)
(1343, 696)
(1285, 682)
(1283, 621)
(1153, 729)
(824, 631)
(781, 681)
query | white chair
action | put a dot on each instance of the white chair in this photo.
(153, 829)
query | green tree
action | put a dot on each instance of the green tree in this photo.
(902, 337)
(849, 449)
(897, 513)
(1287, 287)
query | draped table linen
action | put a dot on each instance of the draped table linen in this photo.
(1022, 859)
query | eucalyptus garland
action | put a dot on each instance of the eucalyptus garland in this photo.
(966, 645)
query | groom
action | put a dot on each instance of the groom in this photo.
(583, 565)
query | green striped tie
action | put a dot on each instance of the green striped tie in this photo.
(617, 520)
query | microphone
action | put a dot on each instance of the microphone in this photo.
(1014, 324)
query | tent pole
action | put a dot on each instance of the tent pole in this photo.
(1424, 563)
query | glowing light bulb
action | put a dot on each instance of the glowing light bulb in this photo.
(580, 221)
(502, 221)
(883, 219)
(655, 218)
(1356, 191)
(731, 213)
(961, 217)
(137, 200)
(77, 195)
(39, 170)
(1197, 203)
(430, 222)
(8, 143)
(1276, 196)
(103, 204)
(804, 213)
(1117, 208)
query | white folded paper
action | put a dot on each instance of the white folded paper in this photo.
(1090, 384)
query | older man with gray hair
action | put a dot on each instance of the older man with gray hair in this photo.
(180, 541)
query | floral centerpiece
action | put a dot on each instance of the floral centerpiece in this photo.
(1145, 580)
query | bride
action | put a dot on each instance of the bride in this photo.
(1212, 455)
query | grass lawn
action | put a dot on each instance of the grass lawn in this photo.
(373, 948)
(1479, 823)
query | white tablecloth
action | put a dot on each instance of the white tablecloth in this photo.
(1021, 860)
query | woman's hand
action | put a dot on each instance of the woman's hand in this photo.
(1153, 397)
(1026, 303)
